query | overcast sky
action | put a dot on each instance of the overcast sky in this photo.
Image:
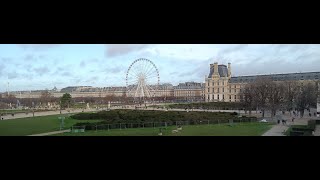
(30, 67)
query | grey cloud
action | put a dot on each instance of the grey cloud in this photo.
(233, 48)
(66, 74)
(93, 61)
(174, 73)
(58, 70)
(92, 80)
(41, 70)
(113, 70)
(2, 68)
(28, 67)
(6, 59)
(76, 80)
(12, 75)
(28, 76)
(123, 49)
(198, 72)
(42, 56)
(266, 59)
(38, 46)
(83, 64)
(29, 57)
(185, 74)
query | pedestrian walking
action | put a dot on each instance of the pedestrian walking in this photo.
(292, 119)
(309, 114)
(284, 122)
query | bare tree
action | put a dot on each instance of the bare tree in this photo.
(46, 97)
(261, 88)
(110, 98)
(290, 92)
(124, 98)
(247, 98)
(306, 97)
(10, 99)
(275, 96)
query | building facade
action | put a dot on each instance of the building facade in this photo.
(217, 87)
(189, 91)
(220, 86)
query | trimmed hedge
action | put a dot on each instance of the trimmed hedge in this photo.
(303, 130)
(170, 117)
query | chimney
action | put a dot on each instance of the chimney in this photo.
(229, 70)
(215, 71)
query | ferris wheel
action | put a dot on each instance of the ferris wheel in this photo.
(142, 79)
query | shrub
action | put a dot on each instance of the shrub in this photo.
(132, 116)
(312, 124)
(307, 133)
(234, 114)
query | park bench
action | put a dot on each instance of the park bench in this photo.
(78, 130)
(296, 133)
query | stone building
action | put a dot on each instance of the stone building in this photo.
(189, 91)
(220, 86)
(217, 84)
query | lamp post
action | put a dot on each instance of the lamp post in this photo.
(61, 122)
(60, 106)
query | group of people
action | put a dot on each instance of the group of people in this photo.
(296, 113)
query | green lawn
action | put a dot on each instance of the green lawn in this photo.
(244, 129)
(9, 111)
(34, 125)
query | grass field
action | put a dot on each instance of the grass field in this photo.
(10, 111)
(34, 125)
(244, 129)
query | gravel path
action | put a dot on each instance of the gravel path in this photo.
(317, 131)
(51, 133)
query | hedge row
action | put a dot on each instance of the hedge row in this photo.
(137, 116)
(303, 130)
(146, 117)
(103, 125)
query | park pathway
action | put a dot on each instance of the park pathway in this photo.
(317, 131)
(278, 129)
(45, 113)
(51, 133)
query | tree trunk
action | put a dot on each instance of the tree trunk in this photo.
(263, 113)
(301, 113)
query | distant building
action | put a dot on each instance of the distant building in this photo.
(189, 91)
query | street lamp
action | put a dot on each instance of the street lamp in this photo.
(61, 122)
(60, 106)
